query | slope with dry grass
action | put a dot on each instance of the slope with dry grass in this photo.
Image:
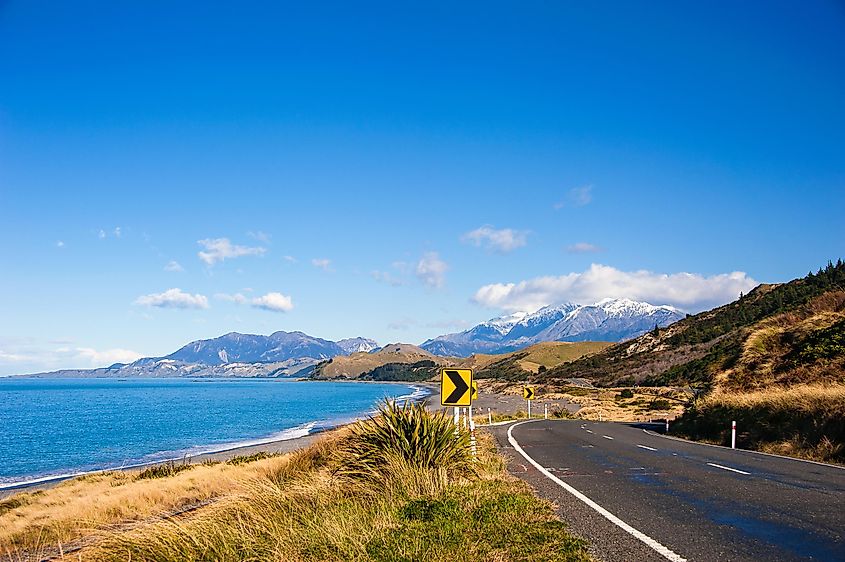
(401, 486)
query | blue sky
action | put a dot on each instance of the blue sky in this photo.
(401, 172)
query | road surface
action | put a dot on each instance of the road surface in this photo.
(636, 495)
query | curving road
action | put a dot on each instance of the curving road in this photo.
(636, 495)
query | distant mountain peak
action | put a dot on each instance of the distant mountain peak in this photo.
(610, 319)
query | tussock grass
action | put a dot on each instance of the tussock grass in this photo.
(806, 421)
(164, 470)
(400, 486)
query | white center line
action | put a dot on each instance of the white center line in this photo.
(727, 468)
(646, 447)
(608, 437)
(653, 544)
(589, 431)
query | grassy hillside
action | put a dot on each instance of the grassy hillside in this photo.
(357, 364)
(401, 486)
(538, 358)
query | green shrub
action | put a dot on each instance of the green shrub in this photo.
(244, 459)
(164, 470)
(408, 433)
(660, 404)
(626, 393)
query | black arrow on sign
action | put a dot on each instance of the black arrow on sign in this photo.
(460, 386)
(529, 393)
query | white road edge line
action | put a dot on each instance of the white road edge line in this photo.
(728, 468)
(589, 431)
(650, 542)
(608, 437)
(646, 447)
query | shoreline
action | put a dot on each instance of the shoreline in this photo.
(272, 444)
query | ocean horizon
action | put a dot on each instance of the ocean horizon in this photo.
(59, 428)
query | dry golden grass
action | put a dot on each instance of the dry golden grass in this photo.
(75, 508)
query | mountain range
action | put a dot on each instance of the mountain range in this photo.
(296, 353)
(607, 320)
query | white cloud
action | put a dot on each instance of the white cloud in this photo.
(236, 298)
(173, 298)
(101, 234)
(576, 197)
(260, 236)
(13, 357)
(219, 249)
(276, 302)
(117, 231)
(431, 270)
(501, 240)
(289, 259)
(174, 266)
(106, 357)
(583, 248)
(387, 277)
(60, 244)
(322, 263)
(688, 291)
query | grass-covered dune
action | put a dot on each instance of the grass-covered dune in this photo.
(400, 486)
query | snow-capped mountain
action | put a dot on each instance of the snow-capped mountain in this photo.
(606, 320)
(235, 355)
(355, 345)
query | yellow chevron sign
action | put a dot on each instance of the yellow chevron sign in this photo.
(528, 392)
(474, 393)
(456, 387)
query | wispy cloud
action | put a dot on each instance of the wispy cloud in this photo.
(60, 244)
(688, 291)
(220, 249)
(260, 236)
(237, 298)
(431, 270)
(174, 266)
(102, 234)
(289, 259)
(173, 298)
(274, 302)
(583, 248)
(322, 263)
(117, 232)
(498, 240)
(395, 278)
(106, 357)
(576, 197)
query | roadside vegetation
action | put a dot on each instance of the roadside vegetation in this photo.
(400, 486)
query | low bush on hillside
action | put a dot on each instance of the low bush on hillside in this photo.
(164, 470)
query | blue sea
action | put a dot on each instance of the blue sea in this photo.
(53, 428)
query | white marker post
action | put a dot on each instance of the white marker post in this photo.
(472, 433)
(529, 408)
(733, 434)
(667, 425)
(545, 411)
(457, 416)
(489, 417)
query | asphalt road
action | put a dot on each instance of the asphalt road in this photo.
(636, 495)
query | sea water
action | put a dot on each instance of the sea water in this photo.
(52, 428)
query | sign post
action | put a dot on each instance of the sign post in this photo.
(458, 389)
(528, 394)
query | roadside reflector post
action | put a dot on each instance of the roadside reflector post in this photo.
(733, 434)
(472, 432)
(529, 408)
(667, 425)
(489, 417)
(545, 411)
(457, 416)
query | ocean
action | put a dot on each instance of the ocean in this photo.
(54, 428)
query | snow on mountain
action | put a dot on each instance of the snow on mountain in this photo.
(355, 345)
(606, 320)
